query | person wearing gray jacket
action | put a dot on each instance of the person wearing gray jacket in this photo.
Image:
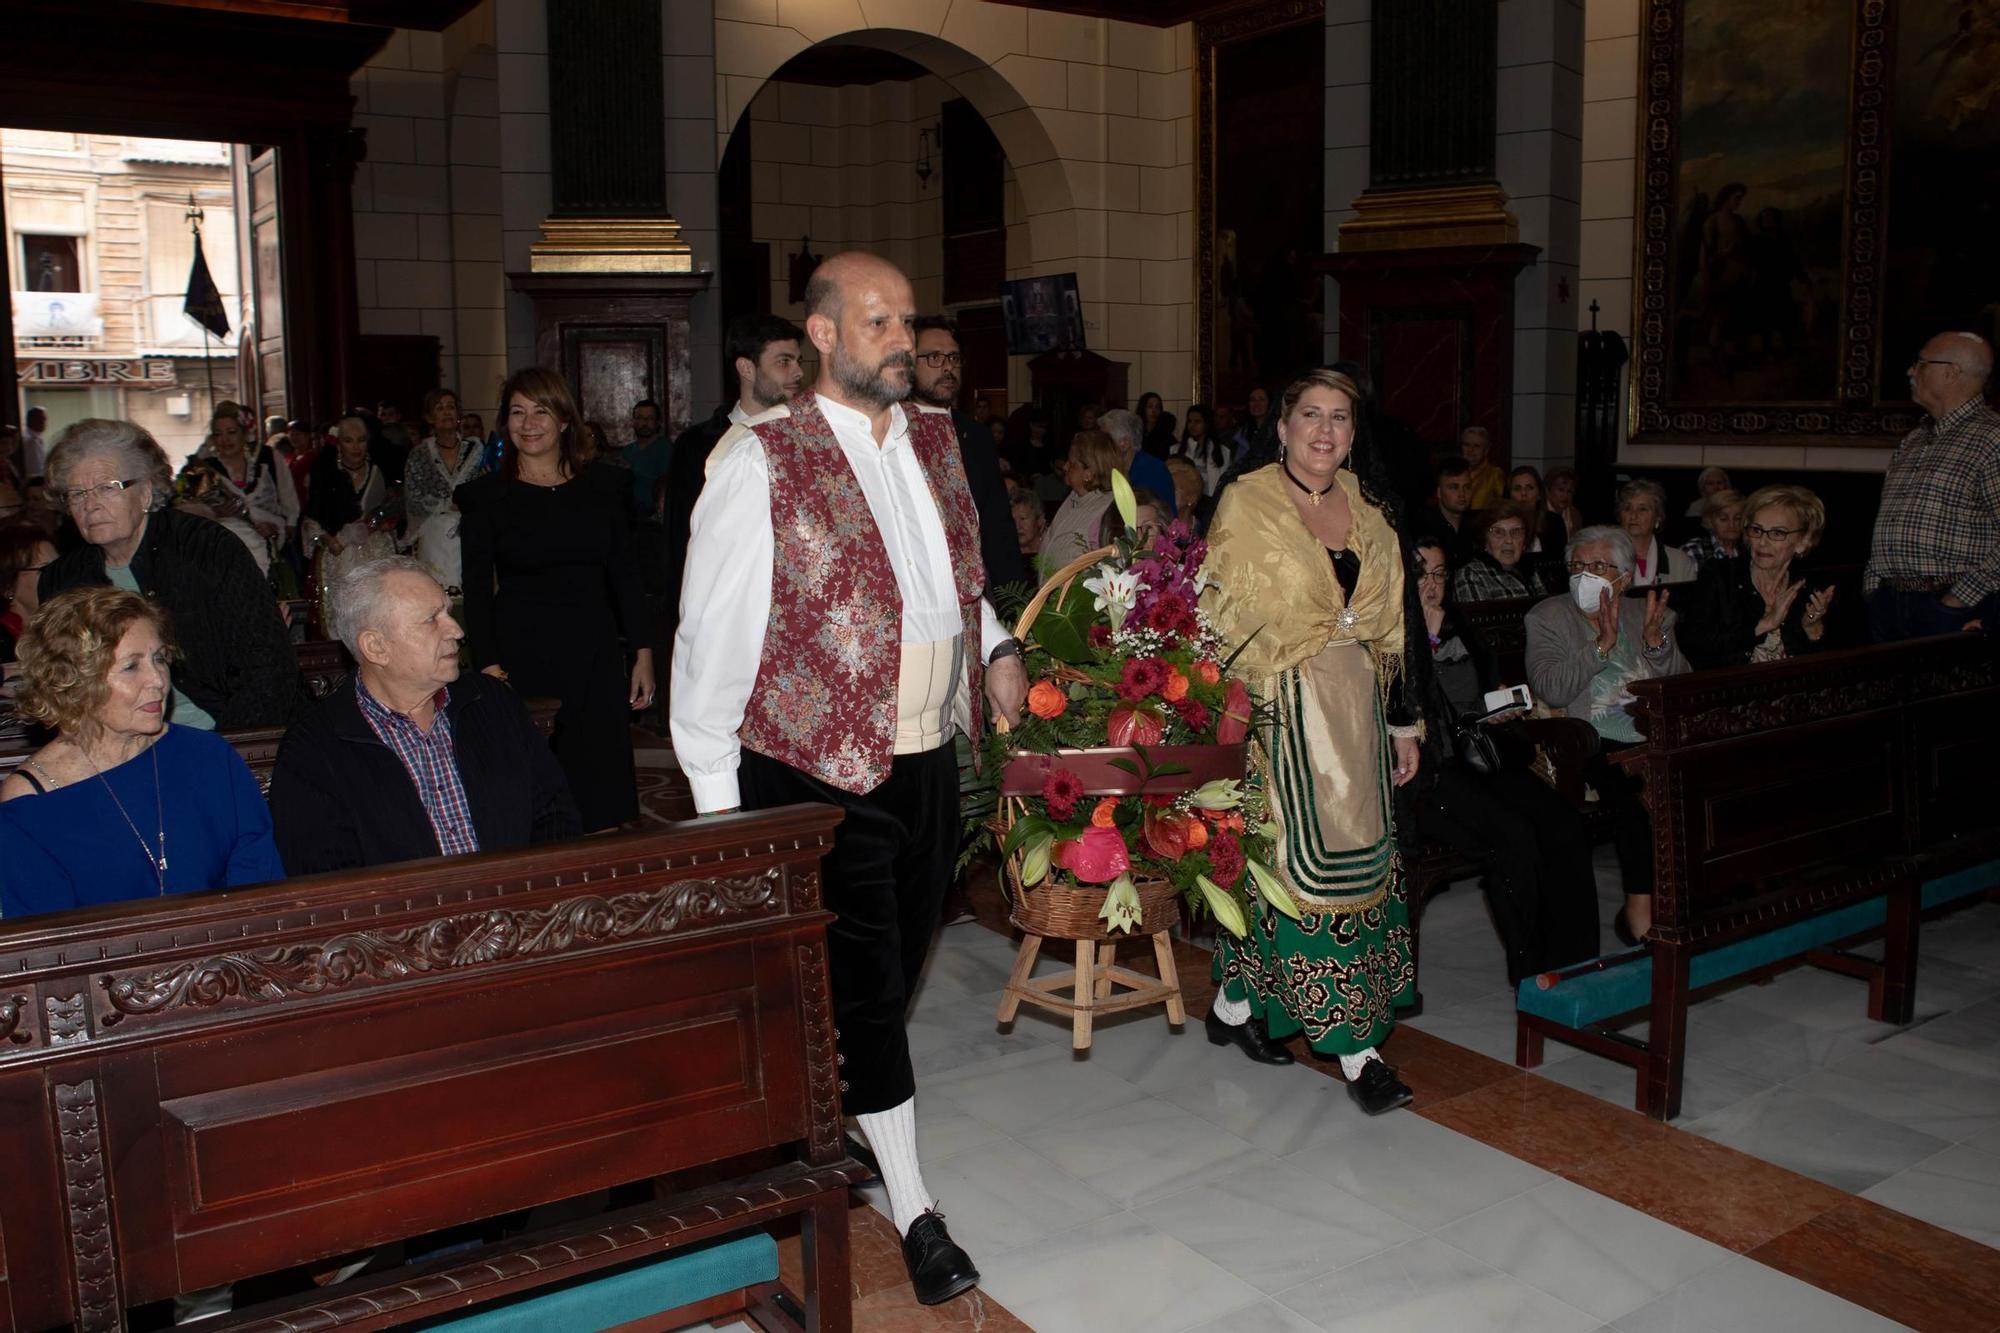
(1584, 649)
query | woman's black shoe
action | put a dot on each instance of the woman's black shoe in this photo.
(1249, 1038)
(1622, 928)
(1377, 1089)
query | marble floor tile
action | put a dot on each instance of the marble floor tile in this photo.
(965, 1031)
(965, 963)
(1486, 1026)
(1975, 1027)
(1953, 1076)
(945, 1129)
(1428, 1284)
(1436, 1069)
(1275, 1226)
(1030, 1087)
(1776, 1047)
(1706, 1087)
(1000, 1196)
(1895, 1265)
(1583, 1248)
(1422, 1172)
(1144, 1150)
(1264, 1317)
(1742, 1295)
(1888, 1098)
(1279, 1109)
(1958, 1189)
(1114, 1274)
(1846, 1148)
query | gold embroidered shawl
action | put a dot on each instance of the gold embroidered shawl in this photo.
(1322, 667)
(1270, 577)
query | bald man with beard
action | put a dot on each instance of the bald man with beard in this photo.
(1934, 563)
(849, 508)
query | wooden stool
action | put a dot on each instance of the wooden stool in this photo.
(1092, 986)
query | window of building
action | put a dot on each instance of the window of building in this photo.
(49, 264)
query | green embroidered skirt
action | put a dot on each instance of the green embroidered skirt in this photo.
(1339, 972)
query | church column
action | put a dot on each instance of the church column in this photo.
(610, 275)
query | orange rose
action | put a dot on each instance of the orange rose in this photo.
(1047, 699)
(1176, 687)
(1209, 672)
(1106, 813)
(1197, 835)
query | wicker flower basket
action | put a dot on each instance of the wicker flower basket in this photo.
(1069, 911)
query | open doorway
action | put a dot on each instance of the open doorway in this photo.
(100, 234)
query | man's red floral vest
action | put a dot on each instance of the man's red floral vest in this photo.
(825, 698)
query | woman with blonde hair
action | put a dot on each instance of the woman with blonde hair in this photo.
(552, 590)
(122, 803)
(1078, 526)
(1760, 609)
(1307, 574)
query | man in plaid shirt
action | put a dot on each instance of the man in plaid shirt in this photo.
(1935, 562)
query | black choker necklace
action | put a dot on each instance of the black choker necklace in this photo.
(1312, 496)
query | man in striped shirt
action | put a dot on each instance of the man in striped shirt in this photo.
(1934, 566)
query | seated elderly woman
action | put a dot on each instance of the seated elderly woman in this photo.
(1500, 567)
(1758, 610)
(122, 804)
(1584, 649)
(1722, 529)
(1642, 508)
(237, 668)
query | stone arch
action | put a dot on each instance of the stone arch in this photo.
(1045, 188)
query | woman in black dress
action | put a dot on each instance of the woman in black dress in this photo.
(552, 590)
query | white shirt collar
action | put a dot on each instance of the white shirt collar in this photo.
(841, 417)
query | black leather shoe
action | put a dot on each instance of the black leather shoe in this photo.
(1249, 1038)
(939, 1270)
(1378, 1089)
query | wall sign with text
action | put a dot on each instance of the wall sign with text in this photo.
(147, 370)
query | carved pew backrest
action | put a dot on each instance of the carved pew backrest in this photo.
(198, 1090)
(1771, 782)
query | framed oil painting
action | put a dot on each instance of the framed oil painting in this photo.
(1816, 180)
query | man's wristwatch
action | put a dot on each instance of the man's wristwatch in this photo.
(1004, 648)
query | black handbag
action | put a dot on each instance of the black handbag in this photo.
(1476, 748)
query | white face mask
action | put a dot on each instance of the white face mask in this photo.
(1588, 589)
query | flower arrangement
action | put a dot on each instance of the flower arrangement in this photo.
(1129, 765)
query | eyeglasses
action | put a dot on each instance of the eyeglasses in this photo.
(1604, 569)
(1775, 534)
(73, 499)
(939, 360)
(1431, 576)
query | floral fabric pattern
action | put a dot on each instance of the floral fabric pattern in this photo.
(825, 698)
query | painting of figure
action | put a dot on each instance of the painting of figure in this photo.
(1943, 270)
(1756, 263)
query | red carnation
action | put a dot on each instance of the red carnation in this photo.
(1169, 612)
(1225, 858)
(1099, 637)
(1194, 714)
(1061, 790)
(1143, 676)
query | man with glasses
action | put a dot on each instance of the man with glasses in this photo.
(939, 367)
(1934, 565)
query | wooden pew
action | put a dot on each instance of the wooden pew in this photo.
(1799, 808)
(201, 1089)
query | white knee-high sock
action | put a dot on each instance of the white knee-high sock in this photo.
(1350, 1065)
(893, 1136)
(1233, 1012)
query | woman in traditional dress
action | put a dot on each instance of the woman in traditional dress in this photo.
(346, 520)
(247, 488)
(1306, 570)
(442, 463)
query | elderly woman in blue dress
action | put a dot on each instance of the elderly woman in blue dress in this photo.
(121, 804)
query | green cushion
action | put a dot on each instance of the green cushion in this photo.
(679, 1278)
(1627, 984)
